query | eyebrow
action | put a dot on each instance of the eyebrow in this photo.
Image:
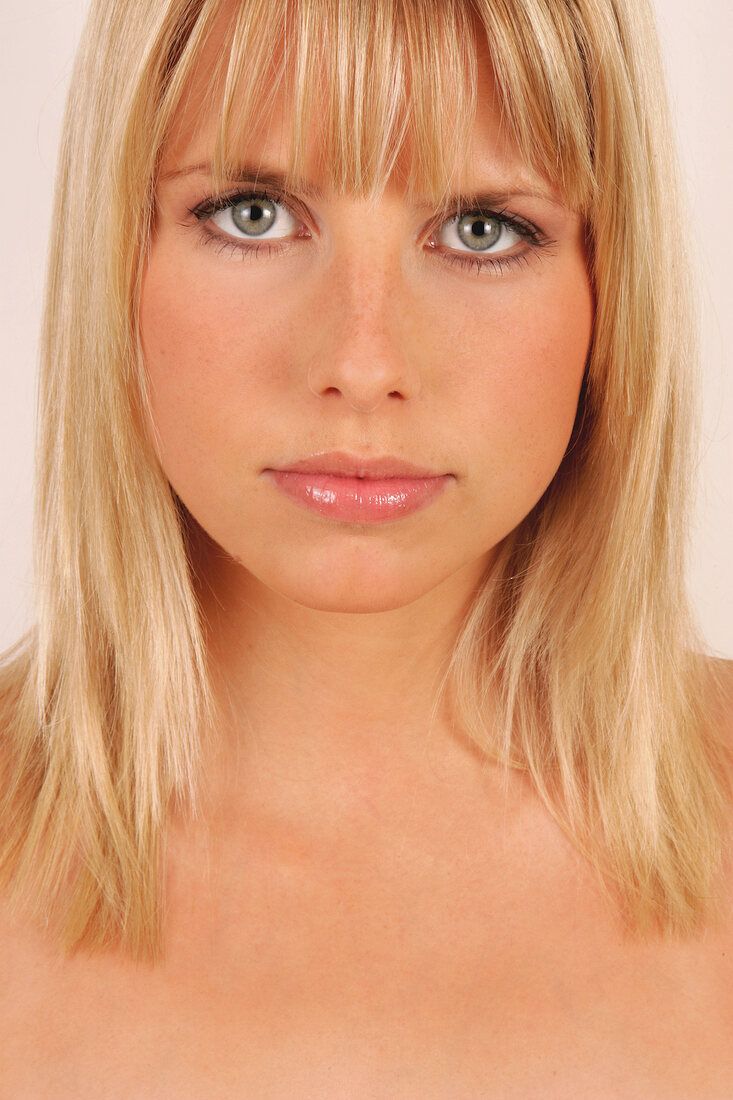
(270, 177)
(266, 176)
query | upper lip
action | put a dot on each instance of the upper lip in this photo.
(354, 465)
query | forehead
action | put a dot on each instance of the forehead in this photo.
(207, 125)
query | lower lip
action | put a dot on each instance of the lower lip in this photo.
(359, 499)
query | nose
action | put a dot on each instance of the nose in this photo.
(365, 354)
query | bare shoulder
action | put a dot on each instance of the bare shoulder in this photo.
(29, 997)
(723, 667)
(721, 701)
(15, 670)
(717, 712)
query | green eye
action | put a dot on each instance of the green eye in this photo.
(254, 216)
(480, 232)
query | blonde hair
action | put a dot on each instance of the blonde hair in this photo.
(581, 635)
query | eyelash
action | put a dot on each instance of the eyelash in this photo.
(530, 233)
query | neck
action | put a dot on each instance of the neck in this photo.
(324, 693)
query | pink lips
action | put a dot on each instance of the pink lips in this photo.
(358, 489)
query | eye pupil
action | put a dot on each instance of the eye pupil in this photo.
(253, 218)
(479, 233)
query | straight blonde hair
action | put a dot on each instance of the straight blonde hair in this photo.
(579, 649)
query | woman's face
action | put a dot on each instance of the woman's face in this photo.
(372, 332)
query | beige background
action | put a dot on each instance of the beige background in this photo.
(37, 43)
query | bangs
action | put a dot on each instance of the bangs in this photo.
(390, 87)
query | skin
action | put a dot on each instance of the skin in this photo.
(359, 336)
(361, 910)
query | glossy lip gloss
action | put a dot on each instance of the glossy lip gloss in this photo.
(356, 488)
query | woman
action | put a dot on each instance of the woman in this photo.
(363, 746)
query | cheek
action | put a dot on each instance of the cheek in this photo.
(501, 374)
(521, 405)
(202, 349)
(179, 355)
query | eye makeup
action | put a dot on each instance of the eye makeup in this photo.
(474, 218)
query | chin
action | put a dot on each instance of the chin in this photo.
(355, 603)
(338, 590)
